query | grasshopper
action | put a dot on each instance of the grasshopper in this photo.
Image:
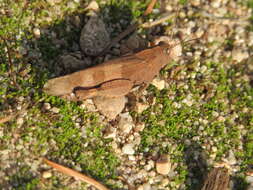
(114, 78)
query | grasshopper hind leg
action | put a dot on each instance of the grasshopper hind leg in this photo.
(112, 88)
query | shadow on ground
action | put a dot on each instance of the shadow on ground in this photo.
(196, 160)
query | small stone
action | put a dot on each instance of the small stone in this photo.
(20, 121)
(149, 166)
(19, 147)
(126, 128)
(163, 165)
(55, 110)
(131, 157)
(46, 174)
(110, 107)
(93, 5)
(128, 149)
(140, 107)
(111, 133)
(214, 149)
(215, 4)
(239, 55)
(231, 158)
(94, 36)
(36, 32)
(125, 123)
(73, 62)
(147, 186)
(187, 101)
(195, 3)
(71, 5)
(158, 83)
(139, 127)
(47, 106)
(133, 42)
(165, 182)
(89, 105)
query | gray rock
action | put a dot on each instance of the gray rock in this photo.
(94, 36)
(73, 62)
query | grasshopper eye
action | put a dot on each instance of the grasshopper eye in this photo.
(166, 51)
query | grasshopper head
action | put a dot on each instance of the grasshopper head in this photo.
(170, 47)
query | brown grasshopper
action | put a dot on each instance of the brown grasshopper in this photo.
(115, 78)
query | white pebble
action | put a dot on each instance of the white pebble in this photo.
(140, 107)
(93, 5)
(131, 157)
(147, 186)
(158, 83)
(20, 121)
(55, 110)
(46, 174)
(125, 123)
(128, 149)
(36, 32)
(231, 158)
(47, 106)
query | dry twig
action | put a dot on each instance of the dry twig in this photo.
(6, 119)
(217, 179)
(150, 7)
(156, 22)
(11, 72)
(75, 174)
